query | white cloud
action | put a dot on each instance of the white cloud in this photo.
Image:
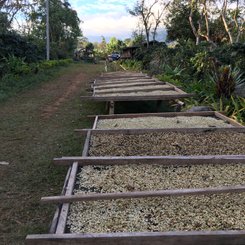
(107, 17)
(109, 25)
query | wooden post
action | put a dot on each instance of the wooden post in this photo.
(111, 107)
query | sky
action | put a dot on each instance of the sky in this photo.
(105, 18)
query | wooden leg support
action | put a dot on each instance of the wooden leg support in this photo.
(111, 107)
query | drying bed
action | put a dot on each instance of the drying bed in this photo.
(147, 177)
(168, 143)
(133, 93)
(186, 213)
(162, 122)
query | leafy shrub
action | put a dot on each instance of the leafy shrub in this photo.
(133, 65)
(13, 44)
(15, 65)
(225, 80)
(47, 64)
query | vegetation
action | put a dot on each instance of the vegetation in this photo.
(34, 130)
(207, 57)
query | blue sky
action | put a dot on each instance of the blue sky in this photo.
(105, 17)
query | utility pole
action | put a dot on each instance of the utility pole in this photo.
(47, 31)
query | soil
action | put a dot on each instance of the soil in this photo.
(72, 85)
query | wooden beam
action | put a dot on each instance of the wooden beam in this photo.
(163, 160)
(55, 219)
(142, 194)
(161, 114)
(136, 84)
(163, 88)
(132, 131)
(95, 122)
(137, 97)
(117, 82)
(61, 224)
(234, 237)
(227, 119)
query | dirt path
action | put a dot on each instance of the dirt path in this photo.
(74, 84)
(35, 127)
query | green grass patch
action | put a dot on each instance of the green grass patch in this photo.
(30, 141)
(12, 83)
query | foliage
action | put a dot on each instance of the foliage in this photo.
(225, 80)
(64, 27)
(114, 45)
(177, 22)
(16, 66)
(19, 46)
(18, 74)
(132, 65)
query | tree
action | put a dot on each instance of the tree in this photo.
(177, 22)
(12, 8)
(233, 19)
(115, 45)
(145, 14)
(64, 27)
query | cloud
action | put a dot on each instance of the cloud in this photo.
(109, 25)
(106, 17)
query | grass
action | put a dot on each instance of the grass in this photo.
(29, 142)
(13, 84)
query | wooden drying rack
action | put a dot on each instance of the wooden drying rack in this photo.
(57, 231)
(138, 80)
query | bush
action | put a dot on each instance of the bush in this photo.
(19, 75)
(47, 64)
(133, 65)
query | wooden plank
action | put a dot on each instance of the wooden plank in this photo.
(117, 82)
(95, 122)
(86, 144)
(137, 97)
(61, 225)
(162, 114)
(136, 90)
(162, 160)
(132, 131)
(227, 119)
(142, 238)
(102, 87)
(142, 194)
(54, 222)
(121, 78)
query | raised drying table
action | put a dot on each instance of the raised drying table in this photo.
(129, 86)
(225, 170)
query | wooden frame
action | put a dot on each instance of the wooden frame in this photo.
(58, 236)
(138, 97)
(143, 238)
(133, 131)
(215, 114)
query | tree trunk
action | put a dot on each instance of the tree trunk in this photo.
(223, 15)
